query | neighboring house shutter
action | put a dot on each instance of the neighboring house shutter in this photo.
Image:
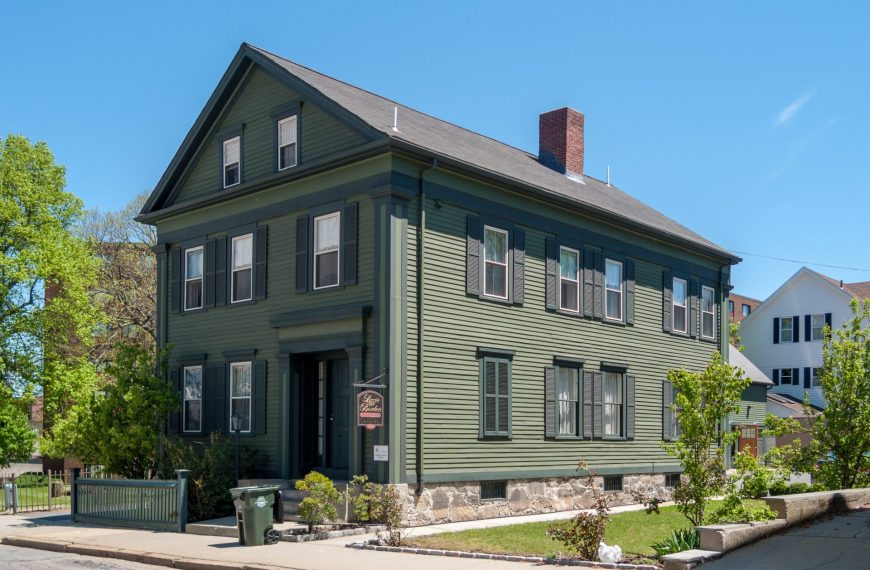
(175, 384)
(302, 254)
(519, 266)
(210, 267)
(808, 326)
(175, 280)
(630, 407)
(629, 292)
(796, 376)
(667, 412)
(796, 324)
(552, 275)
(588, 382)
(776, 330)
(694, 299)
(776, 376)
(588, 282)
(828, 320)
(261, 254)
(259, 397)
(597, 412)
(472, 255)
(550, 410)
(220, 273)
(667, 301)
(598, 287)
(808, 375)
(349, 251)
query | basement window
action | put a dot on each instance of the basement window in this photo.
(613, 483)
(493, 490)
(672, 480)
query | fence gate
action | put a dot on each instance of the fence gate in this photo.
(38, 491)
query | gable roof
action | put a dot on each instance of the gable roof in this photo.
(823, 280)
(858, 290)
(790, 402)
(461, 148)
(738, 359)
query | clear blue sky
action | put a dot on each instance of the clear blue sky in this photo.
(747, 122)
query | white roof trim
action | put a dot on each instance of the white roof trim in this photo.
(803, 271)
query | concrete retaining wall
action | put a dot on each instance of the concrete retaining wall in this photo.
(804, 506)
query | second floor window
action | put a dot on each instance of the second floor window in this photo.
(193, 278)
(708, 312)
(786, 329)
(287, 143)
(232, 161)
(242, 278)
(786, 376)
(816, 373)
(818, 327)
(192, 398)
(613, 404)
(731, 309)
(569, 277)
(240, 395)
(680, 302)
(746, 310)
(613, 286)
(327, 242)
(495, 271)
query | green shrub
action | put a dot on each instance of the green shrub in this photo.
(680, 540)
(387, 508)
(319, 505)
(732, 510)
(795, 488)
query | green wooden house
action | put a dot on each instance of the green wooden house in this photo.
(497, 315)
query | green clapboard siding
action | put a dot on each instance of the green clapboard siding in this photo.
(753, 406)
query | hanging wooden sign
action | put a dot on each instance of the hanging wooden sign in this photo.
(369, 409)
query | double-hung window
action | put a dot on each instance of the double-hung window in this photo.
(193, 259)
(680, 305)
(568, 400)
(785, 376)
(496, 396)
(818, 327)
(242, 278)
(240, 395)
(613, 287)
(786, 329)
(708, 312)
(192, 393)
(816, 374)
(287, 157)
(232, 161)
(731, 309)
(495, 261)
(746, 310)
(327, 242)
(569, 277)
(613, 404)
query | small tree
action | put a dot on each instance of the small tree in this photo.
(319, 505)
(702, 404)
(585, 531)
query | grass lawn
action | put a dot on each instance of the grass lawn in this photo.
(634, 531)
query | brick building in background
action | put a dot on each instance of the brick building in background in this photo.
(740, 307)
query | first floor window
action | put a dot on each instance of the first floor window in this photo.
(816, 374)
(327, 241)
(495, 261)
(192, 394)
(613, 286)
(785, 376)
(232, 161)
(240, 396)
(785, 329)
(569, 277)
(496, 396)
(287, 143)
(568, 395)
(242, 278)
(613, 404)
(708, 312)
(681, 304)
(818, 327)
(193, 278)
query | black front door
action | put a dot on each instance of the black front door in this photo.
(326, 416)
(338, 422)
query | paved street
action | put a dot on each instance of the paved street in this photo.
(29, 559)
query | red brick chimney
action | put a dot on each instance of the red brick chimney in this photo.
(561, 140)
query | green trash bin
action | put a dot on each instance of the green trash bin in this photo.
(253, 513)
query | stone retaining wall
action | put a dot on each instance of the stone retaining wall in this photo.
(460, 501)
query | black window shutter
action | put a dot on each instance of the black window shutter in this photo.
(504, 404)
(588, 382)
(667, 301)
(796, 376)
(175, 384)
(776, 330)
(629, 292)
(808, 377)
(349, 250)
(302, 254)
(259, 397)
(588, 283)
(775, 377)
(693, 307)
(261, 255)
(598, 416)
(220, 411)
(552, 275)
(175, 280)
(828, 320)
(519, 296)
(472, 255)
(220, 273)
(550, 410)
(808, 326)
(598, 287)
(210, 266)
(796, 326)
(630, 407)
(667, 412)
(208, 388)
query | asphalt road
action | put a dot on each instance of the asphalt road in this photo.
(15, 558)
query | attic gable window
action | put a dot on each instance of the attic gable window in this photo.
(287, 155)
(786, 329)
(232, 161)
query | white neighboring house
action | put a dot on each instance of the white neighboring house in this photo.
(783, 334)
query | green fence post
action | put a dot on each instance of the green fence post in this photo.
(14, 495)
(74, 493)
(181, 495)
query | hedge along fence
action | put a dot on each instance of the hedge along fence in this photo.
(148, 504)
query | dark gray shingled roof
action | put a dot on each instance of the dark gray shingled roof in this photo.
(446, 139)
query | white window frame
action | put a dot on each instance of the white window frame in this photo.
(185, 399)
(506, 263)
(712, 312)
(782, 329)
(621, 404)
(815, 376)
(291, 119)
(813, 327)
(226, 142)
(576, 279)
(337, 249)
(620, 291)
(576, 403)
(685, 329)
(782, 372)
(250, 397)
(234, 269)
(201, 278)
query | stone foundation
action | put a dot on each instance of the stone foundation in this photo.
(460, 501)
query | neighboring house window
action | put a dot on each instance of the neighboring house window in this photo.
(193, 278)
(495, 270)
(240, 394)
(287, 143)
(708, 312)
(817, 372)
(818, 327)
(243, 274)
(613, 286)
(785, 376)
(731, 309)
(746, 310)
(613, 404)
(327, 241)
(569, 276)
(496, 396)
(192, 398)
(680, 305)
(568, 395)
(785, 329)
(232, 161)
